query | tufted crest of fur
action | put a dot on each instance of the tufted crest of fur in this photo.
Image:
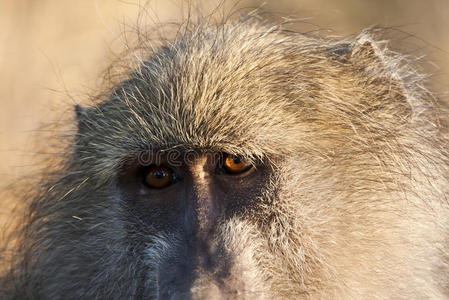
(358, 203)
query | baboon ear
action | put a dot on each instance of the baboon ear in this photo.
(80, 112)
(364, 46)
(379, 66)
(83, 124)
(366, 50)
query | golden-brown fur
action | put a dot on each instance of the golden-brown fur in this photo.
(357, 205)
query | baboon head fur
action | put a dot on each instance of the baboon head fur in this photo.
(346, 195)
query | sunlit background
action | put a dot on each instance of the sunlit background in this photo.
(52, 52)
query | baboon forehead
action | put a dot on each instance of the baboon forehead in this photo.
(212, 89)
(248, 89)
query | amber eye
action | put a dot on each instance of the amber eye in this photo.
(158, 177)
(235, 165)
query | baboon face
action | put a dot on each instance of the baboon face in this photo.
(184, 200)
(241, 161)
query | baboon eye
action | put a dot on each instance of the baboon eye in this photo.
(158, 177)
(235, 165)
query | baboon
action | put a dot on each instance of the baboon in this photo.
(245, 161)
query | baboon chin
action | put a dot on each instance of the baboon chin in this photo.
(245, 161)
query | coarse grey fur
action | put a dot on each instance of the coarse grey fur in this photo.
(356, 205)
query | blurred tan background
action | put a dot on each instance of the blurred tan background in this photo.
(53, 51)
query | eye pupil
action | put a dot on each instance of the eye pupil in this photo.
(236, 160)
(159, 174)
